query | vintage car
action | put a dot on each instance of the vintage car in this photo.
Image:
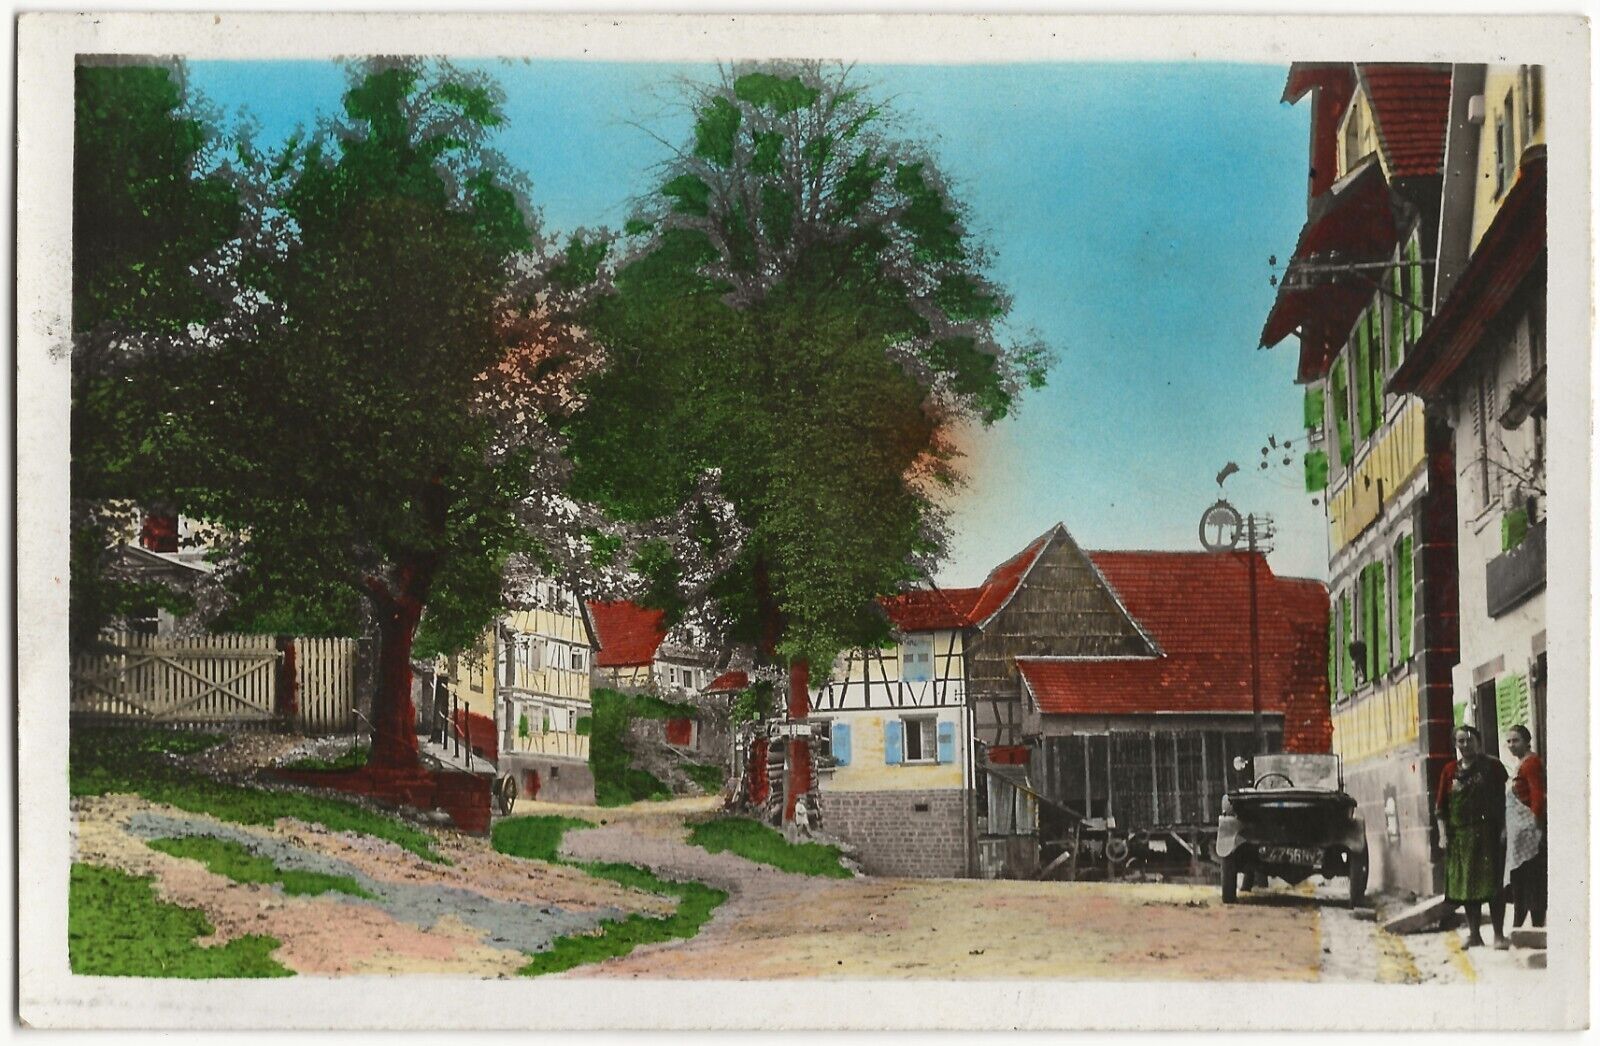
(1294, 821)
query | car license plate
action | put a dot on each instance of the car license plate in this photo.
(1290, 855)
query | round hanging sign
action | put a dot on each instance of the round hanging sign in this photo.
(1220, 527)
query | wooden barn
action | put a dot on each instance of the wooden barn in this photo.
(1111, 691)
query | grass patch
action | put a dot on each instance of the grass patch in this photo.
(100, 762)
(616, 781)
(540, 838)
(757, 842)
(116, 927)
(707, 775)
(354, 759)
(696, 902)
(537, 838)
(235, 861)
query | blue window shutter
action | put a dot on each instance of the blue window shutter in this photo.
(893, 739)
(947, 742)
(841, 743)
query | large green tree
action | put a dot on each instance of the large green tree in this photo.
(807, 313)
(346, 438)
(148, 215)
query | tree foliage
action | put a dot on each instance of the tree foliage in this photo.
(146, 217)
(806, 312)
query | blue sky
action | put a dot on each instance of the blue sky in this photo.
(1131, 209)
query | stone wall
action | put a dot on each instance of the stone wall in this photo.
(918, 834)
(549, 779)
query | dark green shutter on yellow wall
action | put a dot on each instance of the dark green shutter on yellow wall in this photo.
(1316, 471)
(1414, 297)
(1369, 620)
(1341, 412)
(1347, 668)
(1333, 659)
(1380, 619)
(1314, 408)
(1405, 592)
(1375, 323)
(1397, 319)
(1363, 366)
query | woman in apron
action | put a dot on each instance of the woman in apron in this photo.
(1471, 813)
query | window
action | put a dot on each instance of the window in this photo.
(580, 658)
(1505, 146)
(822, 739)
(1352, 138)
(1530, 79)
(922, 742)
(916, 659)
(1483, 415)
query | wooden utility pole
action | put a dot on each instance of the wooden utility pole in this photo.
(1255, 642)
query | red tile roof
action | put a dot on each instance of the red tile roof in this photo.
(1353, 221)
(628, 633)
(1003, 580)
(926, 610)
(729, 682)
(1512, 248)
(1412, 106)
(1195, 605)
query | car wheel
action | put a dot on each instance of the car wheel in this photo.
(1358, 877)
(1230, 879)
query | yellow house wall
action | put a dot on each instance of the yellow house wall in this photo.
(472, 672)
(563, 682)
(868, 772)
(1393, 457)
(1497, 81)
(1377, 722)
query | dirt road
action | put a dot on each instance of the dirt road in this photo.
(776, 925)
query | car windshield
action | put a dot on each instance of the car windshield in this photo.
(1319, 772)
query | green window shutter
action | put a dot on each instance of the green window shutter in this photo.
(1510, 702)
(1375, 322)
(1369, 620)
(1314, 408)
(1347, 668)
(1341, 413)
(1363, 367)
(1397, 319)
(1380, 619)
(1414, 314)
(1333, 658)
(1513, 528)
(1316, 471)
(1406, 593)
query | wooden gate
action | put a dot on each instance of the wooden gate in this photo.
(210, 681)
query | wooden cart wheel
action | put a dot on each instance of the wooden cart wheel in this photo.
(505, 793)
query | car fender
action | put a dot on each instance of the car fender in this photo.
(1227, 835)
(1354, 838)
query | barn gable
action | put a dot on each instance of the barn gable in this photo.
(1050, 601)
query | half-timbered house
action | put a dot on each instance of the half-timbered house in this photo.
(894, 773)
(638, 651)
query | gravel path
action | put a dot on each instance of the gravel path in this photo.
(476, 916)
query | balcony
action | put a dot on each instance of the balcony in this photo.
(1517, 573)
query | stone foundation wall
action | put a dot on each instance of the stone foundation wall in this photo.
(912, 833)
(556, 780)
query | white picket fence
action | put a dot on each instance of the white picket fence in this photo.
(216, 681)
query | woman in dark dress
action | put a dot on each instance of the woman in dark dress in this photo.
(1471, 812)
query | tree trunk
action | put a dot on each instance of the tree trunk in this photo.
(797, 768)
(394, 715)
